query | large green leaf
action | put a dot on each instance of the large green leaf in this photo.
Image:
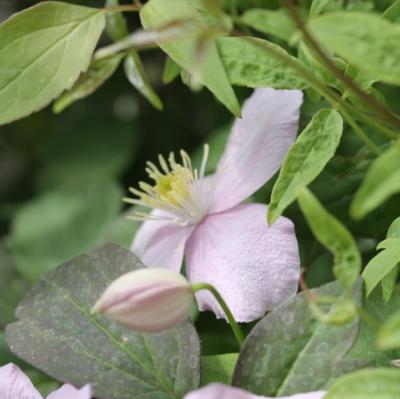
(249, 63)
(159, 13)
(382, 181)
(43, 50)
(61, 224)
(57, 334)
(367, 41)
(333, 235)
(99, 71)
(289, 345)
(306, 159)
(371, 383)
(277, 23)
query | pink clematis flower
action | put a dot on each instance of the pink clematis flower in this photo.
(14, 384)
(226, 243)
(220, 391)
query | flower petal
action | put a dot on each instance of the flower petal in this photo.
(69, 392)
(256, 146)
(14, 384)
(219, 391)
(254, 266)
(160, 243)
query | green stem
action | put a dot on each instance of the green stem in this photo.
(232, 322)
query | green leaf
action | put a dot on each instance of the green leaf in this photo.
(306, 159)
(392, 13)
(373, 383)
(159, 13)
(389, 333)
(382, 264)
(116, 25)
(43, 50)
(367, 41)
(389, 283)
(171, 70)
(218, 368)
(57, 334)
(99, 71)
(381, 181)
(289, 344)
(248, 63)
(61, 224)
(334, 236)
(317, 7)
(277, 23)
(136, 75)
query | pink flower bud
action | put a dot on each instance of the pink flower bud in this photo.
(147, 300)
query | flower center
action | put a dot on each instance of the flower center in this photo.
(178, 189)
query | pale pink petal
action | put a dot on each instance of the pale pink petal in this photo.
(160, 243)
(14, 384)
(69, 392)
(253, 266)
(256, 146)
(219, 391)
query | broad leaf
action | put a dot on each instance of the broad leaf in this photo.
(253, 63)
(57, 334)
(99, 71)
(381, 181)
(367, 41)
(333, 235)
(211, 72)
(306, 159)
(43, 50)
(218, 368)
(61, 224)
(277, 23)
(289, 344)
(380, 383)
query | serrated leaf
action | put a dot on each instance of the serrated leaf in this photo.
(381, 181)
(61, 224)
(57, 334)
(218, 368)
(306, 159)
(99, 71)
(277, 23)
(158, 13)
(60, 38)
(367, 41)
(373, 383)
(289, 344)
(334, 236)
(136, 75)
(248, 63)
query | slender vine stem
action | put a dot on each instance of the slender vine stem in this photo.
(232, 322)
(385, 112)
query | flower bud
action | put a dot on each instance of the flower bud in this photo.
(147, 300)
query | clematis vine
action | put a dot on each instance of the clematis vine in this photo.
(226, 242)
(220, 391)
(14, 384)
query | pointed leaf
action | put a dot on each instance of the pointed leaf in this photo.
(57, 334)
(43, 50)
(334, 236)
(158, 13)
(306, 159)
(171, 70)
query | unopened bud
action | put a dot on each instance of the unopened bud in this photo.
(147, 300)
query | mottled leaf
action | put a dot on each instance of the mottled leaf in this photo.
(253, 63)
(57, 334)
(306, 159)
(333, 235)
(381, 181)
(289, 345)
(43, 50)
